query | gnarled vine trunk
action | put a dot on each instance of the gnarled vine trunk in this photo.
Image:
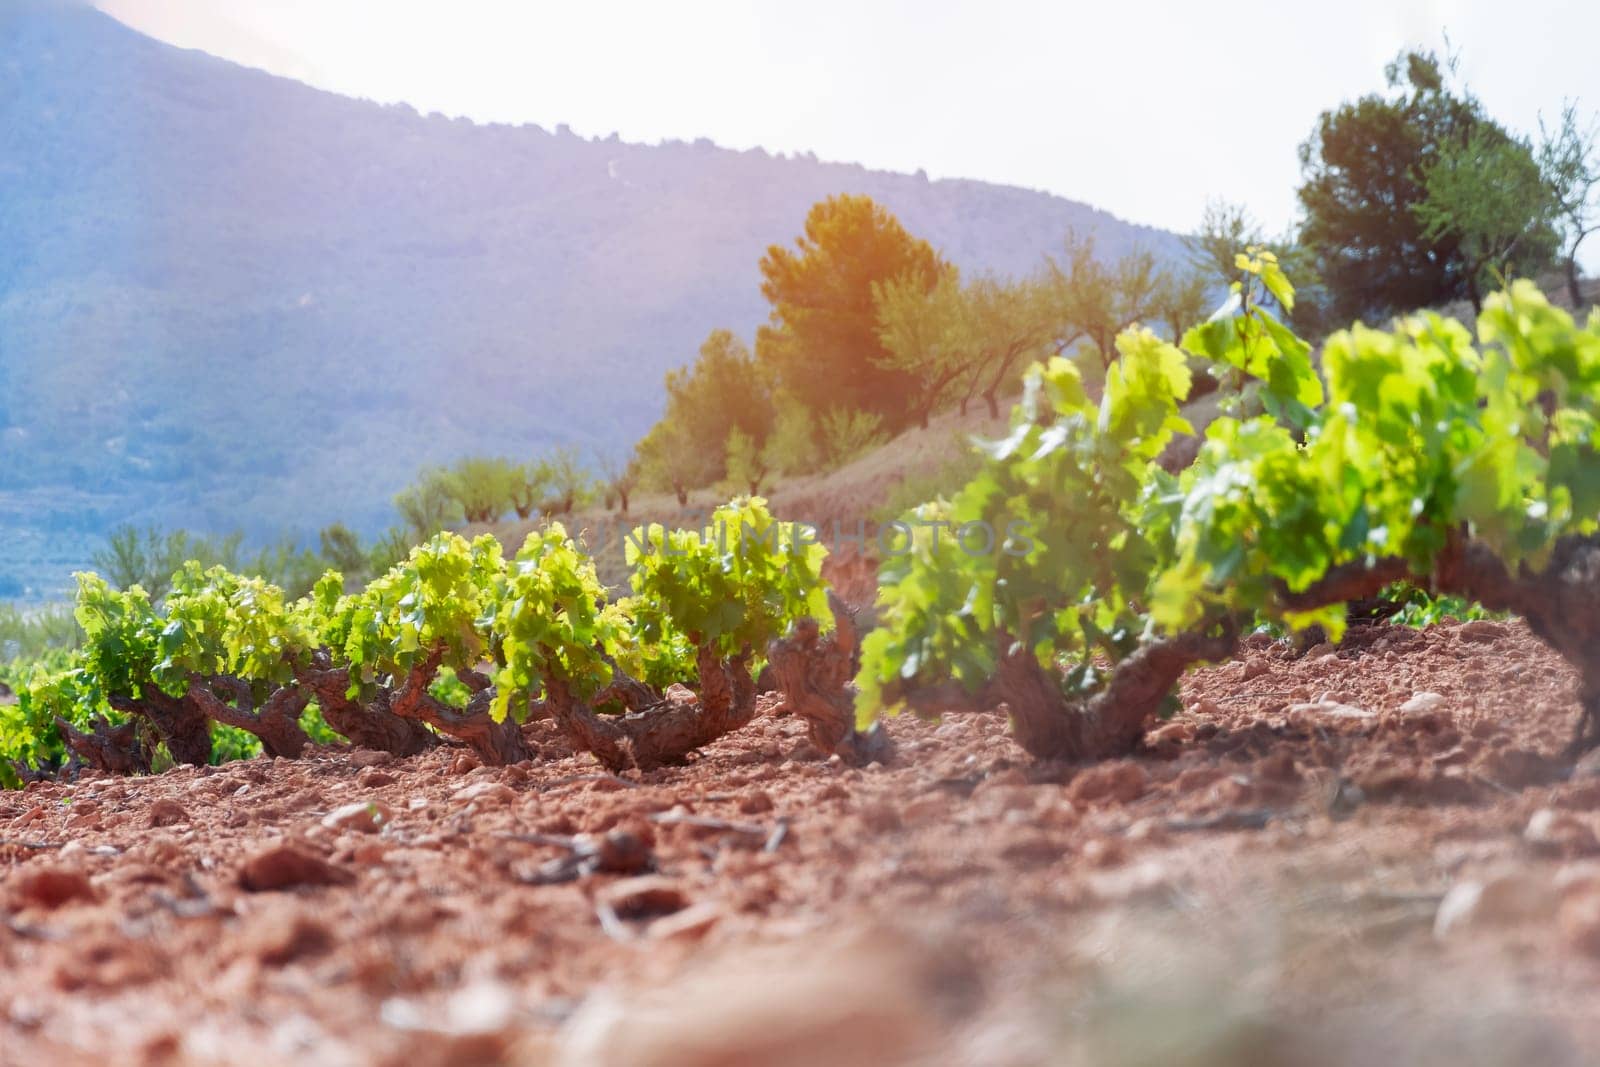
(1561, 604)
(666, 732)
(625, 690)
(276, 724)
(180, 724)
(1050, 725)
(113, 749)
(816, 676)
(370, 724)
(497, 744)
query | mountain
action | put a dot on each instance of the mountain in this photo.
(229, 300)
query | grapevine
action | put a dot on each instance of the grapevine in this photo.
(454, 642)
(1102, 571)
(1413, 456)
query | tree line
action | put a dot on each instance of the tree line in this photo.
(1411, 197)
(1417, 197)
(871, 331)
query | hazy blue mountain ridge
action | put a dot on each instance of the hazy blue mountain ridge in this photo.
(231, 300)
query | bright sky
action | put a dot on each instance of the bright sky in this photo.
(1144, 109)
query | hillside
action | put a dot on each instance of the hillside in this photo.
(230, 300)
(857, 499)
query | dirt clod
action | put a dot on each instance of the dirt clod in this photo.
(1579, 920)
(691, 924)
(283, 936)
(1560, 833)
(363, 816)
(52, 887)
(755, 803)
(166, 812)
(1482, 631)
(486, 793)
(1502, 900)
(1423, 703)
(644, 897)
(288, 867)
(1120, 781)
(855, 1004)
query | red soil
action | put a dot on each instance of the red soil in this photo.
(1297, 872)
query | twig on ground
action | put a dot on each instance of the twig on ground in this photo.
(1492, 784)
(617, 852)
(535, 838)
(31, 932)
(201, 908)
(1395, 898)
(1253, 819)
(611, 924)
(706, 822)
(575, 778)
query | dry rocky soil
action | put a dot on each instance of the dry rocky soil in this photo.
(1351, 856)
